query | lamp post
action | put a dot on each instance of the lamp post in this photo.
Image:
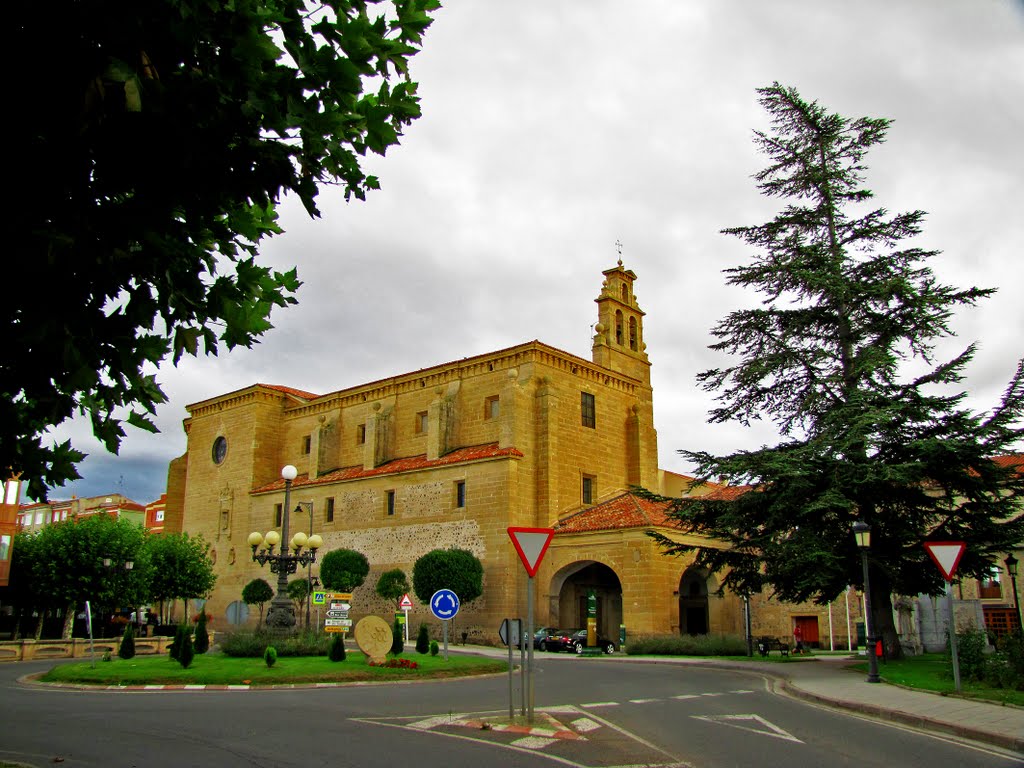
(281, 614)
(1011, 568)
(108, 565)
(862, 533)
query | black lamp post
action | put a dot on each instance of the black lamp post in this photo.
(1011, 568)
(281, 614)
(862, 533)
(108, 565)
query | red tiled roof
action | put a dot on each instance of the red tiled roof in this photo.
(408, 464)
(625, 511)
(290, 391)
(1012, 460)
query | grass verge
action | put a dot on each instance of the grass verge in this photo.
(216, 669)
(934, 672)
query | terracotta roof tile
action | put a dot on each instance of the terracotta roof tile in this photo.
(625, 511)
(408, 464)
(300, 394)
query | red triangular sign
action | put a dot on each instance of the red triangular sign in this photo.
(946, 555)
(531, 544)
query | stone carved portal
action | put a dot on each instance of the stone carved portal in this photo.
(569, 588)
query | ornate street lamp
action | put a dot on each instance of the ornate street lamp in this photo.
(1011, 568)
(862, 533)
(281, 614)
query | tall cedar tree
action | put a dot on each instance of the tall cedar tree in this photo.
(149, 169)
(846, 308)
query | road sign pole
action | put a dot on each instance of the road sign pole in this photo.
(406, 611)
(511, 698)
(522, 669)
(529, 652)
(952, 636)
(446, 639)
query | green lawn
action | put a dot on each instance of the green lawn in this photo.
(934, 672)
(216, 669)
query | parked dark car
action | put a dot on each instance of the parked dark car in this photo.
(558, 640)
(540, 637)
(578, 641)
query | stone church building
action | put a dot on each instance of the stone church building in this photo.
(451, 456)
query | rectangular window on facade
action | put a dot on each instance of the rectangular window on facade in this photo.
(492, 407)
(329, 510)
(360, 434)
(159, 515)
(390, 503)
(460, 494)
(588, 410)
(988, 588)
(307, 445)
(421, 423)
(588, 489)
(277, 515)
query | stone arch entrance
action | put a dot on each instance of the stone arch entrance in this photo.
(694, 618)
(568, 591)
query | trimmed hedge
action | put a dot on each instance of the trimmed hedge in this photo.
(252, 644)
(687, 645)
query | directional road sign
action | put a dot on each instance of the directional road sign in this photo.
(444, 604)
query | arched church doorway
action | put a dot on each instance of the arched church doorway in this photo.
(693, 602)
(569, 590)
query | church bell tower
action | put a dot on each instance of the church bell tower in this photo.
(619, 333)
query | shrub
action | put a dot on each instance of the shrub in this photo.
(201, 643)
(688, 645)
(337, 650)
(434, 648)
(127, 648)
(270, 655)
(397, 639)
(970, 646)
(422, 640)
(187, 652)
(106, 656)
(249, 644)
(182, 635)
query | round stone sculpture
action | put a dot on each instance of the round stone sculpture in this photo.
(373, 636)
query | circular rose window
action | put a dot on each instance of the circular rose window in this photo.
(220, 450)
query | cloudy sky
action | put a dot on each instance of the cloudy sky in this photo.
(551, 130)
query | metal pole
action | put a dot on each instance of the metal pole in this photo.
(746, 618)
(511, 706)
(872, 657)
(529, 653)
(522, 669)
(952, 636)
(309, 569)
(446, 639)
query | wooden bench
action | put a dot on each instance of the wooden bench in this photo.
(765, 645)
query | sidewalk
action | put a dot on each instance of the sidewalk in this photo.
(826, 681)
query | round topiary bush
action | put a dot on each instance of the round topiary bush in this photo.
(434, 648)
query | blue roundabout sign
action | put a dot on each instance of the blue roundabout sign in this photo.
(444, 604)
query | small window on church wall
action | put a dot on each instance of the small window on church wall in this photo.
(329, 510)
(389, 505)
(460, 494)
(618, 327)
(360, 434)
(588, 411)
(277, 515)
(421, 423)
(492, 407)
(625, 294)
(588, 489)
(307, 445)
(632, 333)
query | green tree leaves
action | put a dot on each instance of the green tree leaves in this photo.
(456, 569)
(343, 570)
(147, 175)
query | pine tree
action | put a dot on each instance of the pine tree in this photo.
(201, 643)
(397, 638)
(127, 648)
(847, 308)
(422, 640)
(336, 652)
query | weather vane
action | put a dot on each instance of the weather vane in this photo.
(618, 247)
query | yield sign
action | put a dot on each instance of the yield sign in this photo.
(531, 544)
(946, 555)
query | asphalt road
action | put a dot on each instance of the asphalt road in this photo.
(593, 712)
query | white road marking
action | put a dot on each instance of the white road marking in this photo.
(735, 720)
(642, 701)
(533, 742)
(600, 704)
(585, 725)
